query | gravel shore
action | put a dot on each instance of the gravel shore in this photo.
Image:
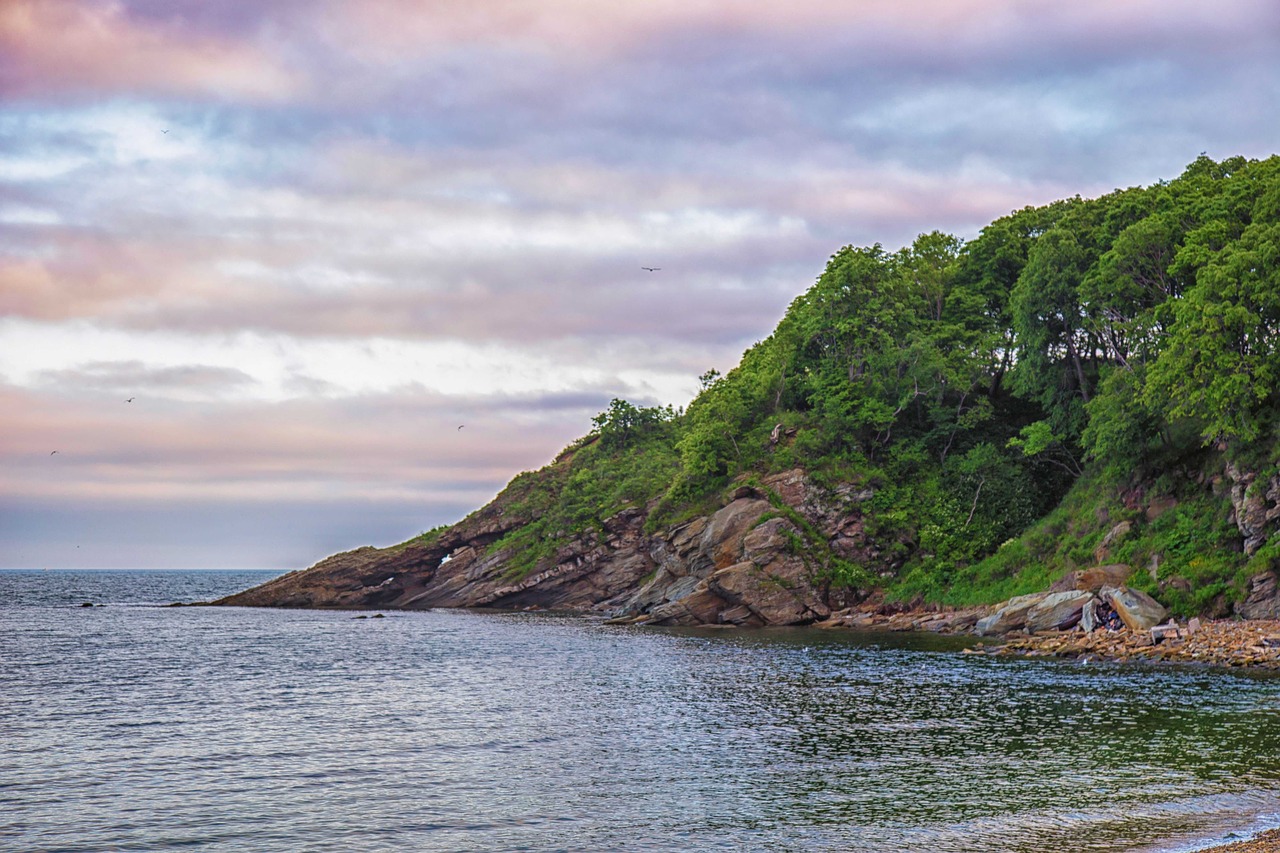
(1253, 644)
(1236, 643)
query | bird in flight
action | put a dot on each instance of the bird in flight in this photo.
(51, 452)
(164, 131)
(651, 269)
(460, 426)
(130, 400)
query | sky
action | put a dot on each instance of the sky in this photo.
(280, 279)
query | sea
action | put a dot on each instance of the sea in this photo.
(135, 726)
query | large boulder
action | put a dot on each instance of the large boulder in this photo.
(1098, 577)
(1009, 615)
(1057, 611)
(1137, 610)
(1089, 621)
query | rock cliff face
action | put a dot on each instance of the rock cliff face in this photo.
(1256, 506)
(747, 563)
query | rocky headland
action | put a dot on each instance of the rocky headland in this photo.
(752, 562)
(764, 559)
(927, 425)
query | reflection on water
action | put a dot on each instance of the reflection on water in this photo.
(149, 728)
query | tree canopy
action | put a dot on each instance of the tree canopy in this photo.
(972, 384)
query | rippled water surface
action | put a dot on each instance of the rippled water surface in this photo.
(136, 727)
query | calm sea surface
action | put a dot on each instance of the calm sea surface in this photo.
(137, 727)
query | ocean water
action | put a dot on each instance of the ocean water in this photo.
(132, 727)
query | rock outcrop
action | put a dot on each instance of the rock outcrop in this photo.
(761, 558)
(1057, 611)
(1256, 506)
(1008, 616)
(747, 563)
(1263, 600)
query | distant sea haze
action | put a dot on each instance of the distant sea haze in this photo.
(132, 726)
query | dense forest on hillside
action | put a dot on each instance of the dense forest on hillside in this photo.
(1007, 401)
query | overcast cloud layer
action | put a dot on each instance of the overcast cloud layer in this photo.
(311, 240)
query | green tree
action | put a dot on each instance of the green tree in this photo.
(1221, 363)
(622, 423)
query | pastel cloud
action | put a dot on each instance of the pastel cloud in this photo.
(562, 25)
(155, 448)
(81, 48)
(312, 238)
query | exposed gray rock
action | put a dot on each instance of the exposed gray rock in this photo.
(701, 607)
(1009, 615)
(1263, 600)
(1138, 611)
(1089, 621)
(1255, 504)
(721, 541)
(763, 542)
(1057, 611)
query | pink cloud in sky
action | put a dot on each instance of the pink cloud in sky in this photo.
(403, 446)
(314, 236)
(578, 29)
(83, 47)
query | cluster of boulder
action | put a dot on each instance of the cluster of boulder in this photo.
(1090, 599)
(1061, 611)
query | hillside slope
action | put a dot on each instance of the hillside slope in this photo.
(1089, 381)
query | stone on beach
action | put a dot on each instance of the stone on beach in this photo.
(1138, 611)
(1009, 615)
(1225, 643)
(1057, 611)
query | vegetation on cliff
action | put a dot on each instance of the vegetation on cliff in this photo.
(1069, 386)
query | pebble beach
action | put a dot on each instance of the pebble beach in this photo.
(1252, 644)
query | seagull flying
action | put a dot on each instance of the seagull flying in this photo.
(164, 131)
(130, 400)
(51, 452)
(462, 425)
(651, 269)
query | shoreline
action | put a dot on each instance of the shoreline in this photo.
(1244, 644)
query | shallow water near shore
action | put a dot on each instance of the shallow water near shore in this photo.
(137, 727)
